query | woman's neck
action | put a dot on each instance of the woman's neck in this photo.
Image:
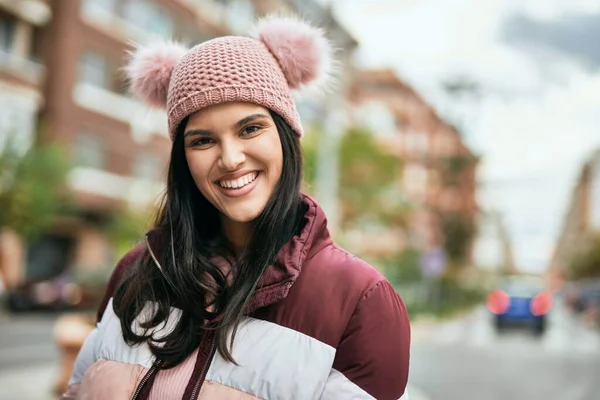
(237, 233)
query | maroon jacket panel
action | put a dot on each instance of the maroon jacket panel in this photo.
(344, 302)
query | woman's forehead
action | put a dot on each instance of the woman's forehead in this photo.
(224, 115)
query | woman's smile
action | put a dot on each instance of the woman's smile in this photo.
(240, 186)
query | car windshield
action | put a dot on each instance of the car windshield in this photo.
(522, 286)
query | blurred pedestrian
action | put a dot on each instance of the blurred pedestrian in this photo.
(239, 291)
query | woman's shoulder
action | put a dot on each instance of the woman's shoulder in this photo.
(338, 265)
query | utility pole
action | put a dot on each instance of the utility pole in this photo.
(328, 150)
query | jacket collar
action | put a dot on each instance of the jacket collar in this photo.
(279, 277)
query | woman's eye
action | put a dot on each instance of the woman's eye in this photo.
(201, 142)
(249, 130)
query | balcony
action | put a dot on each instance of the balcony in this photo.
(113, 25)
(211, 11)
(36, 12)
(115, 187)
(22, 68)
(142, 120)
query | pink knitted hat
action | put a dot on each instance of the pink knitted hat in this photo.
(281, 54)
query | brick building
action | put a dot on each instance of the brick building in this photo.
(61, 68)
(582, 219)
(439, 171)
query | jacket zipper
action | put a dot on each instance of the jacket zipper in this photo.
(202, 376)
(143, 382)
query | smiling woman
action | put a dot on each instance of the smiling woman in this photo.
(239, 291)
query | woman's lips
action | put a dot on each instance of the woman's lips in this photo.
(240, 191)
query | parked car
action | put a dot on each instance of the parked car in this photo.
(520, 301)
(67, 291)
(44, 294)
(583, 298)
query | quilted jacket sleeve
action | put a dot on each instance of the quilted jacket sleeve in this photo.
(372, 359)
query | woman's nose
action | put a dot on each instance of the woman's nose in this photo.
(232, 156)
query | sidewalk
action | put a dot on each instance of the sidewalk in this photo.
(35, 383)
(30, 383)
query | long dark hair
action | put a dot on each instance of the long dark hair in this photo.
(189, 279)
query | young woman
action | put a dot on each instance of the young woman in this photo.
(239, 292)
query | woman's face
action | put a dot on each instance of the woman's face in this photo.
(234, 153)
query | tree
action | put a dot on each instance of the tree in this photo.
(33, 188)
(127, 227)
(367, 174)
(458, 232)
(586, 262)
(453, 167)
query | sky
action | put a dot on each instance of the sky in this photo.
(535, 117)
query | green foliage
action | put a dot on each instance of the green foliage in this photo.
(441, 298)
(453, 166)
(586, 262)
(366, 173)
(127, 228)
(309, 148)
(458, 232)
(403, 267)
(32, 188)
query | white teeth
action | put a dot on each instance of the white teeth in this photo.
(240, 182)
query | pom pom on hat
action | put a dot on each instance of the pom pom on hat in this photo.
(303, 52)
(150, 68)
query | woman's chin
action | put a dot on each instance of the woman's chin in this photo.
(243, 215)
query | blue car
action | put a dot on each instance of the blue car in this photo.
(520, 301)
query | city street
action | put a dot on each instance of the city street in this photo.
(466, 360)
(26, 340)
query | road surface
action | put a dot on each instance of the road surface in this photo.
(466, 360)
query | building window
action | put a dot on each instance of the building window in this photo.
(90, 151)
(147, 166)
(90, 6)
(8, 26)
(94, 69)
(379, 119)
(148, 16)
(416, 143)
(240, 14)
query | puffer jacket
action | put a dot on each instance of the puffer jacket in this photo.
(322, 324)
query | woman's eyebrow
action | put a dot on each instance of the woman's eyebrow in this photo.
(198, 132)
(249, 118)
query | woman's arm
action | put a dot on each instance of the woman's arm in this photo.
(372, 359)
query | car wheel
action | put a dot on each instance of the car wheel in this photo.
(540, 327)
(499, 325)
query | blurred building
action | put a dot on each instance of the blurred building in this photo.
(22, 85)
(492, 249)
(439, 171)
(60, 68)
(582, 218)
(22, 70)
